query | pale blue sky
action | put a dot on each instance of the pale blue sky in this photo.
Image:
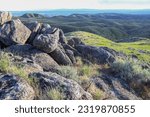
(73, 4)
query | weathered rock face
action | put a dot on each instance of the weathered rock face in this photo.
(68, 47)
(27, 64)
(46, 29)
(60, 56)
(70, 54)
(62, 38)
(141, 88)
(35, 28)
(14, 32)
(95, 54)
(5, 17)
(37, 56)
(75, 41)
(70, 89)
(46, 42)
(15, 88)
(115, 88)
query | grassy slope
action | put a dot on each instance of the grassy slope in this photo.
(111, 26)
(127, 48)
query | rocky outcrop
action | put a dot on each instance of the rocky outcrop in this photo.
(62, 38)
(15, 88)
(46, 42)
(115, 88)
(71, 56)
(5, 17)
(35, 28)
(70, 90)
(60, 56)
(27, 64)
(37, 56)
(14, 32)
(95, 54)
(75, 41)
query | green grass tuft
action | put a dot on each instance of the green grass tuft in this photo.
(6, 66)
(55, 94)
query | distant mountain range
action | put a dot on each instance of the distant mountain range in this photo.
(113, 26)
(66, 12)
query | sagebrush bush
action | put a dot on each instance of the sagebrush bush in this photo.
(88, 70)
(55, 94)
(69, 72)
(130, 69)
(80, 72)
(95, 92)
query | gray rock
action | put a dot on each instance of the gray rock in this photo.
(60, 56)
(47, 29)
(15, 88)
(5, 17)
(62, 38)
(27, 64)
(37, 56)
(95, 54)
(68, 47)
(70, 54)
(142, 88)
(14, 32)
(35, 29)
(115, 88)
(46, 42)
(75, 41)
(69, 89)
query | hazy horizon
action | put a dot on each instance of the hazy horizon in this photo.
(27, 5)
(66, 12)
(81, 9)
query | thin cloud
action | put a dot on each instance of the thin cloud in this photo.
(10, 5)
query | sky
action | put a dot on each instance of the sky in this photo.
(16, 5)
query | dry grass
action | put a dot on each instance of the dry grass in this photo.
(7, 66)
(55, 94)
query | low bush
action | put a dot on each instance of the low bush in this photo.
(55, 94)
(130, 69)
(95, 92)
(80, 72)
(69, 72)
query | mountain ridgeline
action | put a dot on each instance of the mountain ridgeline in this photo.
(109, 25)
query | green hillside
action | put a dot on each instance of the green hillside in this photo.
(140, 49)
(111, 26)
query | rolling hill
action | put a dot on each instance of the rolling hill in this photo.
(139, 49)
(109, 25)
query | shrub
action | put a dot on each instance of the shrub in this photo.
(69, 72)
(79, 73)
(88, 70)
(129, 69)
(55, 94)
(95, 92)
(4, 62)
